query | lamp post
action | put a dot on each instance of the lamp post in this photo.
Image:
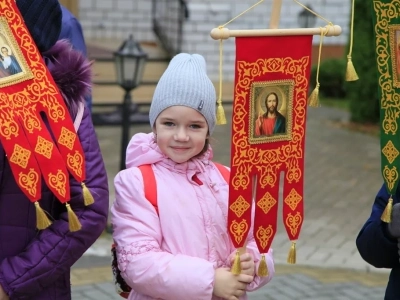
(305, 18)
(130, 61)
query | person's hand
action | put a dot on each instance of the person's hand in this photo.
(229, 286)
(3, 295)
(394, 225)
(246, 264)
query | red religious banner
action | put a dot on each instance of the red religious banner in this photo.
(28, 95)
(268, 136)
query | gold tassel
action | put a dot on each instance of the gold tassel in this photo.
(87, 195)
(292, 254)
(42, 221)
(313, 100)
(387, 213)
(74, 224)
(221, 119)
(262, 268)
(236, 269)
(351, 74)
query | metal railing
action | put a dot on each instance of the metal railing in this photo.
(168, 17)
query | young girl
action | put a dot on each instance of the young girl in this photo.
(182, 250)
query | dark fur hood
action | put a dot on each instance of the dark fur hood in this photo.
(71, 71)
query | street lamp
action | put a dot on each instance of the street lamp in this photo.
(130, 61)
(305, 18)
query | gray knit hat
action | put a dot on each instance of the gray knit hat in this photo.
(185, 82)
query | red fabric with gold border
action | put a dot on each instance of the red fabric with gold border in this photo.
(32, 150)
(262, 148)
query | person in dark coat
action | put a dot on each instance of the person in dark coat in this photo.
(35, 263)
(378, 242)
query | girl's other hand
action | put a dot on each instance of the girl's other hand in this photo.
(229, 286)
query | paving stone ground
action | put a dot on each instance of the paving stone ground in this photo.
(289, 283)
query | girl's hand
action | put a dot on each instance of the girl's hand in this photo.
(229, 286)
(247, 264)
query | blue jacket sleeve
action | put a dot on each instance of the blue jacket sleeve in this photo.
(55, 249)
(373, 242)
(71, 29)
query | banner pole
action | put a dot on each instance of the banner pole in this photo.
(225, 33)
(275, 14)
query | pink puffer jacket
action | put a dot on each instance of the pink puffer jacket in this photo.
(173, 254)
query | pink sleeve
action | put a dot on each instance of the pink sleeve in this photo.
(144, 266)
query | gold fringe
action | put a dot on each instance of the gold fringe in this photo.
(236, 269)
(292, 254)
(351, 74)
(387, 213)
(221, 119)
(313, 100)
(42, 221)
(262, 268)
(87, 195)
(74, 224)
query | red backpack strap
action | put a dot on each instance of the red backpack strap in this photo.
(150, 187)
(224, 171)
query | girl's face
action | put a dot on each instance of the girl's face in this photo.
(181, 133)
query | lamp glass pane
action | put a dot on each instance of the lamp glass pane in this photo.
(129, 70)
(140, 70)
(119, 66)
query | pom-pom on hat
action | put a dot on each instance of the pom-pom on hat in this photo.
(185, 82)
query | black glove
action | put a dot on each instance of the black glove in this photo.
(394, 225)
